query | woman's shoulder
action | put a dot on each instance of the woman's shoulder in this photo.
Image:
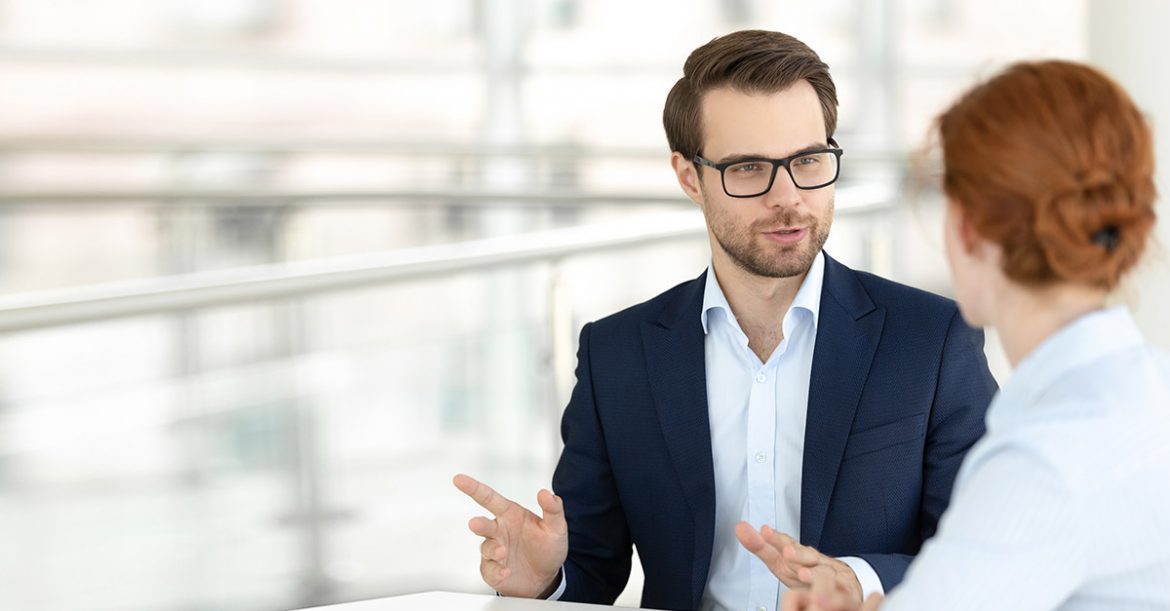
(1092, 425)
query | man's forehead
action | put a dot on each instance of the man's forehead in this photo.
(773, 124)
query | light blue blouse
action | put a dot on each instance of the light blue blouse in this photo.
(1065, 503)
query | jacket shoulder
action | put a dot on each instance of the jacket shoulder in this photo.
(669, 303)
(901, 299)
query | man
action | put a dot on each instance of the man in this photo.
(779, 388)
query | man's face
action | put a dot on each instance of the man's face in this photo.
(779, 233)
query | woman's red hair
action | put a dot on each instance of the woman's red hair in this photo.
(1054, 162)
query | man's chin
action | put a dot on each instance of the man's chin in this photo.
(778, 269)
(788, 263)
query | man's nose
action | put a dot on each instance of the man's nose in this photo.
(784, 192)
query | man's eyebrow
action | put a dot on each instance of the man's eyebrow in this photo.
(737, 157)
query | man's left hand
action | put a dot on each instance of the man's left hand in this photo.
(794, 564)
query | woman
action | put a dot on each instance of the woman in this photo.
(1065, 502)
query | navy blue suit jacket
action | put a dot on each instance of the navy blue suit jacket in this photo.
(897, 394)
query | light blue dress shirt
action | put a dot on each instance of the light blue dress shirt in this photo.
(757, 412)
(1065, 502)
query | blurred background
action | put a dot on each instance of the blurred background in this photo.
(272, 271)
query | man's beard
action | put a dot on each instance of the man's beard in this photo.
(793, 260)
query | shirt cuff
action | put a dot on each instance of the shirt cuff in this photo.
(560, 591)
(866, 576)
(561, 588)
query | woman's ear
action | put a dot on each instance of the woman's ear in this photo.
(969, 238)
(962, 230)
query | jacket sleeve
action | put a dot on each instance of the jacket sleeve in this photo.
(598, 564)
(964, 391)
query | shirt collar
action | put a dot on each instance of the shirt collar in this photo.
(808, 297)
(1091, 337)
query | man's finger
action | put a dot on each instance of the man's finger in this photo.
(553, 508)
(803, 555)
(494, 550)
(482, 493)
(780, 539)
(494, 574)
(873, 602)
(769, 555)
(800, 554)
(826, 593)
(483, 526)
(795, 600)
(754, 543)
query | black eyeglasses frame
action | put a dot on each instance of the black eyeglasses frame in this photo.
(776, 165)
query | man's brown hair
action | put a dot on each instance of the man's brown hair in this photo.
(751, 61)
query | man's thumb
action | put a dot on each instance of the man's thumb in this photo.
(554, 511)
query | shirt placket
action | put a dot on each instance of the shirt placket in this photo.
(761, 470)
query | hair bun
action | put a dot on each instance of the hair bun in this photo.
(1094, 179)
(1093, 231)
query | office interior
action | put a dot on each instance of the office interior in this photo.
(272, 271)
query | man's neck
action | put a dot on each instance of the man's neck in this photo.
(758, 303)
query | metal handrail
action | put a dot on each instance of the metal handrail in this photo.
(168, 56)
(267, 198)
(293, 279)
(214, 57)
(261, 197)
(144, 145)
(171, 145)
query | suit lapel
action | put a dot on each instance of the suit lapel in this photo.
(848, 329)
(676, 368)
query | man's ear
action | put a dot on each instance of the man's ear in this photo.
(688, 177)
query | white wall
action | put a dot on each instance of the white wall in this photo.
(1129, 39)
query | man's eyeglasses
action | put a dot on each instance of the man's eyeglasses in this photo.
(754, 177)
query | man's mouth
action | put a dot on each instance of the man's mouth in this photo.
(786, 235)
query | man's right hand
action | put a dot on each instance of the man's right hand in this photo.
(826, 594)
(521, 554)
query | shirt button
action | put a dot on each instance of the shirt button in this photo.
(761, 457)
(762, 609)
(761, 378)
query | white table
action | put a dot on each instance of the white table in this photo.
(450, 601)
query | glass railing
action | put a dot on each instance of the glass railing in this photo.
(283, 433)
